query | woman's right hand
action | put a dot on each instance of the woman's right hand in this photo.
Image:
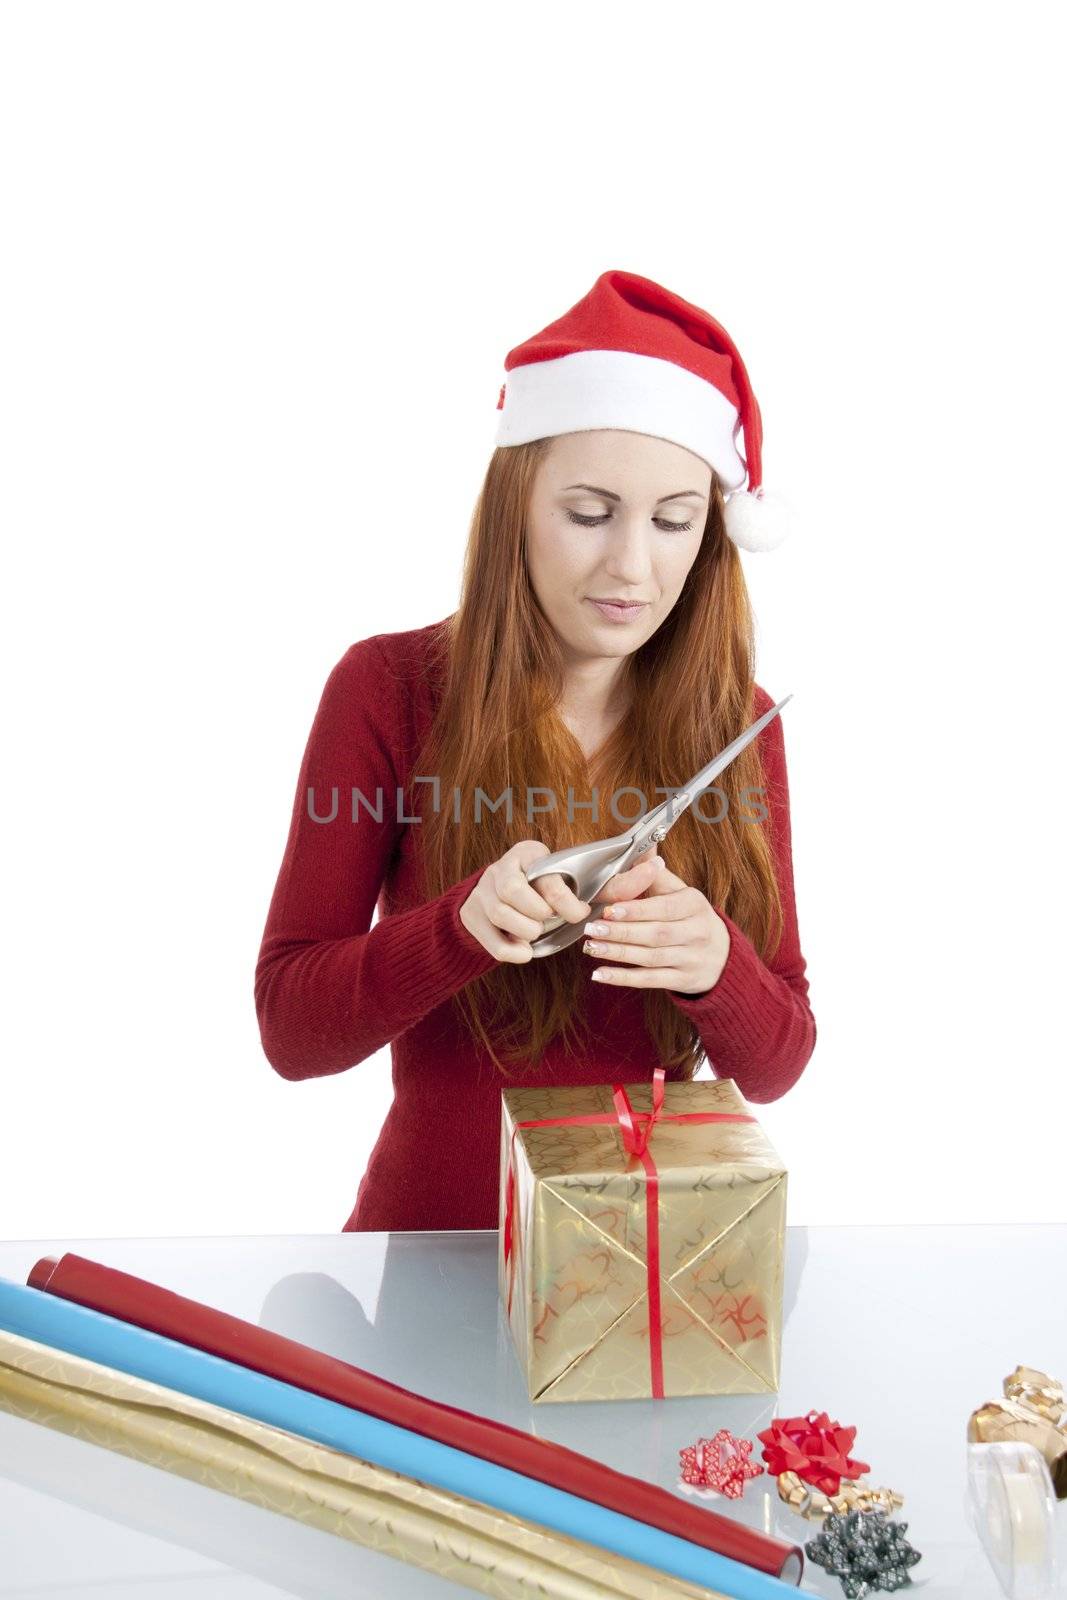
(505, 912)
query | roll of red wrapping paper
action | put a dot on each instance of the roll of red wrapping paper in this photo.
(147, 1305)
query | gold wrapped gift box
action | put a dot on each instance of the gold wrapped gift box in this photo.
(683, 1170)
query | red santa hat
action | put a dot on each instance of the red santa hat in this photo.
(633, 355)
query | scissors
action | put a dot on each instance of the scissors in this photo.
(587, 867)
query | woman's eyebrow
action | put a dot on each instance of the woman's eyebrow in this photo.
(683, 494)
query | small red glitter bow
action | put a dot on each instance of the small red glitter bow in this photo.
(721, 1463)
(813, 1447)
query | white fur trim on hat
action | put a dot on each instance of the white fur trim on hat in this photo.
(618, 389)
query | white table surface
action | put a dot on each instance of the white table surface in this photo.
(900, 1331)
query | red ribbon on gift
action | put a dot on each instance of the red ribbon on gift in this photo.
(636, 1128)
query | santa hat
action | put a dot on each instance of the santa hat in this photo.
(633, 355)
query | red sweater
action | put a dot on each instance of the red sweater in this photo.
(330, 989)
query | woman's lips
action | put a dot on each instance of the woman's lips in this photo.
(618, 613)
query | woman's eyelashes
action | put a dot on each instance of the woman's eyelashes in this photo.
(661, 522)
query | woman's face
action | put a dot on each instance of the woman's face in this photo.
(613, 516)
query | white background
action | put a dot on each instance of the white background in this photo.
(261, 267)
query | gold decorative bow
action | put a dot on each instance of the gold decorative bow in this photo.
(855, 1494)
(1031, 1412)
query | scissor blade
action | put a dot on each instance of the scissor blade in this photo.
(709, 773)
(664, 816)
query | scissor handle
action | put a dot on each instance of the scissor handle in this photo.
(586, 868)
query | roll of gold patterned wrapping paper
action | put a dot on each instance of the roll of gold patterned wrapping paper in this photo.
(459, 1539)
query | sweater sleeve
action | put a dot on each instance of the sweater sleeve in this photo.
(756, 1023)
(330, 989)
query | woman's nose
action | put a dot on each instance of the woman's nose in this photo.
(630, 554)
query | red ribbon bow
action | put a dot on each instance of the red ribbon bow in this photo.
(636, 1129)
(721, 1463)
(813, 1447)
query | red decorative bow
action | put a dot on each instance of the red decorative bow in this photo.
(721, 1463)
(813, 1447)
(635, 1140)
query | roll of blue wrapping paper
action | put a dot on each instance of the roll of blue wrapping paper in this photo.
(65, 1325)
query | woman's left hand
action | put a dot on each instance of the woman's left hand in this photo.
(671, 937)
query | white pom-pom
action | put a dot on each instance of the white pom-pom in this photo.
(758, 521)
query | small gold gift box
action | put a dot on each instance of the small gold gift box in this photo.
(642, 1240)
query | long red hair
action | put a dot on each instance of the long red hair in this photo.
(500, 675)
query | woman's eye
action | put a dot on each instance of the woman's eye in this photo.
(661, 522)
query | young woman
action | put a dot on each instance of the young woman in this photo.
(601, 652)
